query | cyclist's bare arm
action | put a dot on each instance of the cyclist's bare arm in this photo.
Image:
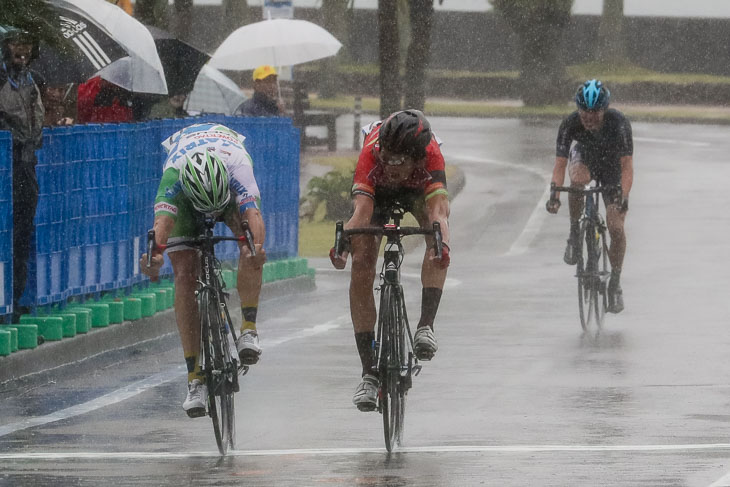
(361, 216)
(257, 227)
(559, 171)
(163, 228)
(438, 210)
(363, 213)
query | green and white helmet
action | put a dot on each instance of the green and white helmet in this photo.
(204, 180)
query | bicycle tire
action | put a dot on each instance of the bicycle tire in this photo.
(601, 299)
(587, 279)
(218, 372)
(389, 381)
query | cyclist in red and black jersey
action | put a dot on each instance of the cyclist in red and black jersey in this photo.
(400, 165)
(603, 152)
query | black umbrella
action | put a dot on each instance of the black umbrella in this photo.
(91, 49)
(181, 61)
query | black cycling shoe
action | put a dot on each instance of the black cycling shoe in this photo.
(571, 250)
(615, 298)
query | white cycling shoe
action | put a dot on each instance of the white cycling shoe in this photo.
(196, 400)
(248, 347)
(366, 394)
(424, 343)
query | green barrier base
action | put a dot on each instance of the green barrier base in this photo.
(5, 343)
(149, 303)
(132, 308)
(116, 311)
(83, 318)
(13, 336)
(99, 313)
(49, 327)
(69, 322)
(160, 298)
(27, 335)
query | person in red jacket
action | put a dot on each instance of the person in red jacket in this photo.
(100, 101)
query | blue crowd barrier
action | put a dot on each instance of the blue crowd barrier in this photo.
(6, 223)
(97, 188)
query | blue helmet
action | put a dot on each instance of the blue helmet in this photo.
(592, 96)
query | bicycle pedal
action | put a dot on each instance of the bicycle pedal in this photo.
(417, 370)
(196, 412)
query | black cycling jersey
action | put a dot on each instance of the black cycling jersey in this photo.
(601, 150)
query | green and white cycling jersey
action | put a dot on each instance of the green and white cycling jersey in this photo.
(226, 144)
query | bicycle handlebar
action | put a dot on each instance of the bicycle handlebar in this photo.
(200, 241)
(581, 190)
(388, 229)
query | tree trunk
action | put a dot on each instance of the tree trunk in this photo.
(183, 18)
(542, 74)
(610, 33)
(152, 12)
(389, 57)
(237, 13)
(421, 19)
(335, 21)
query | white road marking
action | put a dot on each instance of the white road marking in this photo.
(672, 141)
(534, 223)
(723, 482)
(529, 449)
(155, 380)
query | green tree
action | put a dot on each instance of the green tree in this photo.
(35, 17)
(539, 24)
(183, 11)
(610, 34)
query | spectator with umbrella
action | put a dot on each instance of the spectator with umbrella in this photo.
(264, 102)
(22, 113)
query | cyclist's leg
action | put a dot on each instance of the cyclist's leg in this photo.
(362, 310)
(250, 271)
(433, 278)
(615, 219)
(580, 175)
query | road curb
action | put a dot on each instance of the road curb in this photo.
(115, 337)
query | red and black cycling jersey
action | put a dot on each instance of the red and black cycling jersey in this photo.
(429, 177)
(606, 146)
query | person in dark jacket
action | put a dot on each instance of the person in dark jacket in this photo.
(22, 113)
(264, 102)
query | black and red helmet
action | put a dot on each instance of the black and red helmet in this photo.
(406, 133)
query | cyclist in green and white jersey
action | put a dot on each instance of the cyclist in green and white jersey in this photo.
(208, 172)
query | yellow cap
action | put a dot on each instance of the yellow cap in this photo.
(263, 72)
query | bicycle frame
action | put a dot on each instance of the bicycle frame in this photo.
(395, 361)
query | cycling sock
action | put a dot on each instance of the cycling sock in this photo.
(615, 276)
(364, 342)
(194, 371)
(248, 311)
(430, 299)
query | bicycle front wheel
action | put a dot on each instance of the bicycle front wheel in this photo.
(392, 392)
(588, 281)
(221, 371)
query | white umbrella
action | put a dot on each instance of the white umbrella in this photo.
(214, 92)
(141, 71)
(278, 42)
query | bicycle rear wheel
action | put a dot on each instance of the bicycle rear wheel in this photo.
(601, 298)
(221, 372)
(392, 392)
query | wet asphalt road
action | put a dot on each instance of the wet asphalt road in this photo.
(516, 396)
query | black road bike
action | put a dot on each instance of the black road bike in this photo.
(395, 361)
(593, 269)
(220, 362)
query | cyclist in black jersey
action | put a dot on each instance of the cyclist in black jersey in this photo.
(603, 151)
